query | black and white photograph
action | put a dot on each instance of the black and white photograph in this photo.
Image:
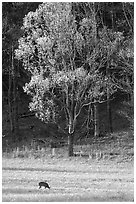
(67, 101)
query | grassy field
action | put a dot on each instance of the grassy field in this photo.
(71, 179)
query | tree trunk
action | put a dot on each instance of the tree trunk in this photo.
(96, 120)
(70, 145)
(15, 104)
(71, 136)
(15, 109)
(9, 103)
(90, 118)
(109, 117)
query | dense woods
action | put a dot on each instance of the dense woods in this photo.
(67, 70)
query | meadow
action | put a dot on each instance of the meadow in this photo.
(71, 179)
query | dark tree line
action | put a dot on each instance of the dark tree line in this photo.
(13, 74)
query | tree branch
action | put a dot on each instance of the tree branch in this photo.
(126, 16)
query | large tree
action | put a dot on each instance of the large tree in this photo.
(64, 57)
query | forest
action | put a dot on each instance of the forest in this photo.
(67, 73)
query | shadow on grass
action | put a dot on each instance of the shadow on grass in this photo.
(67, 198)
(24, 191)
(57, 170)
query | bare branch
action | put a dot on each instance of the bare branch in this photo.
(126, 16)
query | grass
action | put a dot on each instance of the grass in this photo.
(71, 179)
(103, 170)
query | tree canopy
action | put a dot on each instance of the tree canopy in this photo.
(55, 50)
